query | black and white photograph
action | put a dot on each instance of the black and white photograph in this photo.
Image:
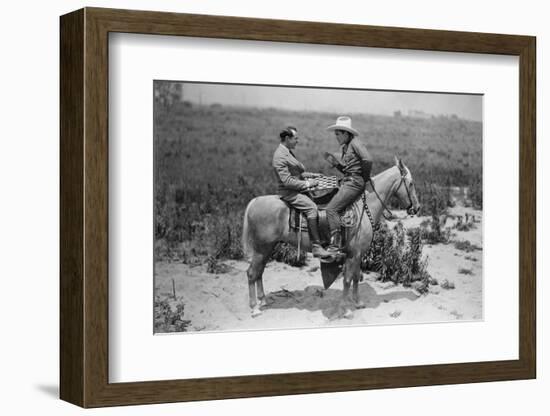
(281, 207)
(216, 208)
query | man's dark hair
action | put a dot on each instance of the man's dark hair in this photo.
(290, 131)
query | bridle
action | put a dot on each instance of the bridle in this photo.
(376, 226)
(403, 182)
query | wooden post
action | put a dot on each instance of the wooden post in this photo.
(299, 237)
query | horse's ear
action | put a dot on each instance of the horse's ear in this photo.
(401, 165)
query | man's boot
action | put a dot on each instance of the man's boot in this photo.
(316, 249)
(335, 246)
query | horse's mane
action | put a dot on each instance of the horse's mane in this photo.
(384, 172)
(380, 175)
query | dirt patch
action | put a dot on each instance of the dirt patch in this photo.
(296, 298)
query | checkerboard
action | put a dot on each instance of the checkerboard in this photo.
(326, 182)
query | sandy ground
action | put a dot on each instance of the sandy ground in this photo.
(296, 298)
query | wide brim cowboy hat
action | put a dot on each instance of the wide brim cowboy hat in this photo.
(343, 123)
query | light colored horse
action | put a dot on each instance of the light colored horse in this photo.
(266, 223)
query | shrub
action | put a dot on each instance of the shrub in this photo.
(214, 266)
(395, 259)
(437, 208)
(210, 161)
(432, 231)
(466, 246)
(287, 253)
(168, 319)
(227, 244)
(476, 192)
(434, 199)
(465, 224)
(448, 285)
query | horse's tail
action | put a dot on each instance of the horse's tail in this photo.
(246, 231)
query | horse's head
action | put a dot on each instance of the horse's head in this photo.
(406, 192)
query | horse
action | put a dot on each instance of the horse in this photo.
(266, 222)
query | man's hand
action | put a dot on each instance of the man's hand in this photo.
(330, 158)
(312, 183)
(334, 162)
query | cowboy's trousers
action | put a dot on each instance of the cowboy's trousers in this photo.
(350, 189)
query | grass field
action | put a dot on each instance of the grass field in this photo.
(211, 160)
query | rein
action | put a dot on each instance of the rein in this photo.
(391, 215)
(384, 206)
(376, 226)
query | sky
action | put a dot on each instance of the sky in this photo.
(466, 106)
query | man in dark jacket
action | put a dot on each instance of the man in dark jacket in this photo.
(293, 180)
(356, 166)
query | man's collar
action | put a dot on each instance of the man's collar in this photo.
(285, 148)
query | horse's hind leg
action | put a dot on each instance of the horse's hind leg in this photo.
(255, 283)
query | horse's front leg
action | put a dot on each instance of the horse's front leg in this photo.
(352, 273)
(260, 291)
(345, 303)
(348, 277)
(359, 304)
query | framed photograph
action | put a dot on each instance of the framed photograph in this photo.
(255, 207)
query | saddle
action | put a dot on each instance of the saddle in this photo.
(298, 221)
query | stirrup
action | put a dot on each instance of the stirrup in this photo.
(334, 256)
(321, 252)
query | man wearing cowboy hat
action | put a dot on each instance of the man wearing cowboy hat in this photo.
(293, 181)
(356, 166)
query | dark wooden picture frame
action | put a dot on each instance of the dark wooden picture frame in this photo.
(84, 207)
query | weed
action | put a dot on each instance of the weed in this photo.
(214, 266)
(168, 318)
(465, 223)
(211, 160)
(456, 314)
(435, 199)
(288, 254)
(432, 230)
(466, 246)
(476, 191)
(446, 284)
(395, 314)
(394, 258)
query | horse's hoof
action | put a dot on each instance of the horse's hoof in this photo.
(360, 305)
(256, 312)
(348, 314)
(263, 303)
